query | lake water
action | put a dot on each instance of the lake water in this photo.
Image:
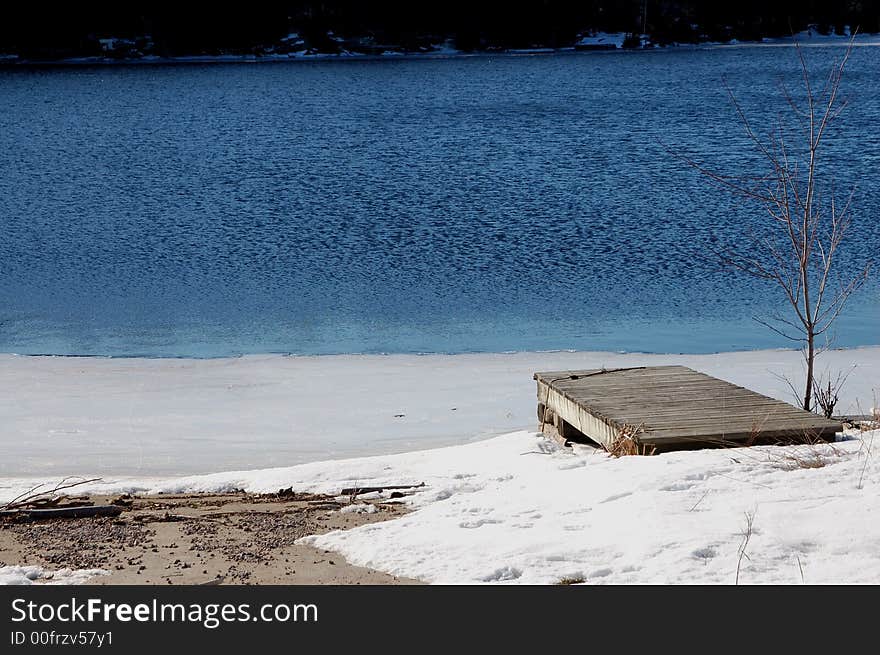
(422, 205)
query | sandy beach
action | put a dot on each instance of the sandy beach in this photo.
(199, 539)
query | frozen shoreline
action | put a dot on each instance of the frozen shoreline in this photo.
(514, 508)
(162, 417)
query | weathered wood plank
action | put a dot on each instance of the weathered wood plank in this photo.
(671, 437)
(718, 422)
(708, 409)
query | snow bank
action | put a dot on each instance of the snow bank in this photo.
(25, 575)
(158, 417)
(517, 509)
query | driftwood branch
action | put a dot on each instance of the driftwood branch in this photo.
(82, 511)
(35, 499)
(356, 491)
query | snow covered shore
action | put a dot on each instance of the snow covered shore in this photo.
(516, 509)
(519, 509)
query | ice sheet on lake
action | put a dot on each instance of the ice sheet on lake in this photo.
(149, 417)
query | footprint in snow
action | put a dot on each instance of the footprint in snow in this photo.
(617, 496)
(445, 494)
(502, 574)
(470, 525)
(677, 486)
(804, 546)
(705, 553)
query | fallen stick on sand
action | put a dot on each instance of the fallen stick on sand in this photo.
(65, 512)
(356, 491)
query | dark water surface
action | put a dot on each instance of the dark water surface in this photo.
(446, 205)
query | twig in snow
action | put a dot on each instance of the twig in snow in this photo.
(747, 535)
(868, 448)
(699, 501)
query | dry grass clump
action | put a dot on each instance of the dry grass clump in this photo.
(874, 422)
(627, 442)
(795, 460)
(797, 452)
(568, 580)
(806, 453)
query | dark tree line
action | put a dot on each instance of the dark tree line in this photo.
(34, 30)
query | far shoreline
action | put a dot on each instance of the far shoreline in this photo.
(423, 353)
(10, 61)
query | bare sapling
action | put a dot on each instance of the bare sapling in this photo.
(798, 249)
(746, 537)
(826, 391)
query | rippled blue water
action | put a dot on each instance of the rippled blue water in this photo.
(462, 204)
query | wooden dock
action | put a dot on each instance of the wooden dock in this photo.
(669, 408)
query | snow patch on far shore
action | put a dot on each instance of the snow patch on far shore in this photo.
(602, 39)
(810, 37)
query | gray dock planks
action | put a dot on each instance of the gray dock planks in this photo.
(673, 406)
